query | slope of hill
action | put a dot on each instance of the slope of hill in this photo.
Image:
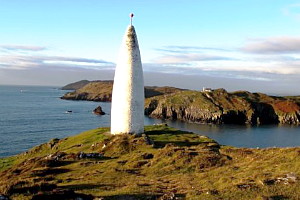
(162, 164)
(76, 85)
(93, 91)
(102, 91)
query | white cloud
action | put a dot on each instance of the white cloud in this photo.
(182, 58)
(261, 60)
(19, 57)
(188, 49)
(273, 45)
(33, 61)
(22, 48)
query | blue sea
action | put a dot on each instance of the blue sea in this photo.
(31, 115)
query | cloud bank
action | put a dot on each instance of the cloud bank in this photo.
(262, 63)
(24, 57)
(22, 48)
(274, 45)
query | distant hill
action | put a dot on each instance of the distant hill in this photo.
(92, 91)
(76, 85)
(294, 98)
(102, 91)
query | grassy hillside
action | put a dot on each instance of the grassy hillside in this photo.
(75, 85)
(164, 163)
(102, 91)
(294, 98)
(92, 91)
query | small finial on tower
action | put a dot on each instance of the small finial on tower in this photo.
(131, 16)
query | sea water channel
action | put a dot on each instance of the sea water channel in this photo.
(31, 115)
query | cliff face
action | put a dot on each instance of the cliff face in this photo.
(102, 91)
(220, 106)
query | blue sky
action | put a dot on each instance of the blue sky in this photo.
(239, 45)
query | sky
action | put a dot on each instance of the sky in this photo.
(249, 45)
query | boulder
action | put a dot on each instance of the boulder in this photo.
(98, 111)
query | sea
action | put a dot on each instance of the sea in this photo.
(31, 115)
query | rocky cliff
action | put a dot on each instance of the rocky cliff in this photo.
(219, 107)
(102, 91)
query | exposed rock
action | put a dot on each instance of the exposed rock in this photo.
(89, 155)
(53, 142)
(168, 196)
(286, 179)
(98, 111)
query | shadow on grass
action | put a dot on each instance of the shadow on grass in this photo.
(142, 197)
(62, 195)
(161, 144)
(279, 197)
(162, 132)
(88, 186)
(53, 163)
(49, 171)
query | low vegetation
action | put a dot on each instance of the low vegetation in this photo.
(163, 163)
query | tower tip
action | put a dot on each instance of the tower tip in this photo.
(131, 16)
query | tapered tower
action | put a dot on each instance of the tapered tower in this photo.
(127, 108)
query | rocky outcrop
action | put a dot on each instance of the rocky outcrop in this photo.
(98, 111)
(220, 107)
(102, 91)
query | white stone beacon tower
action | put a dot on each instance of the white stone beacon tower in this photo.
(127, 107)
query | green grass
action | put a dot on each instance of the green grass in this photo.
(6, 163)
(163, 135)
